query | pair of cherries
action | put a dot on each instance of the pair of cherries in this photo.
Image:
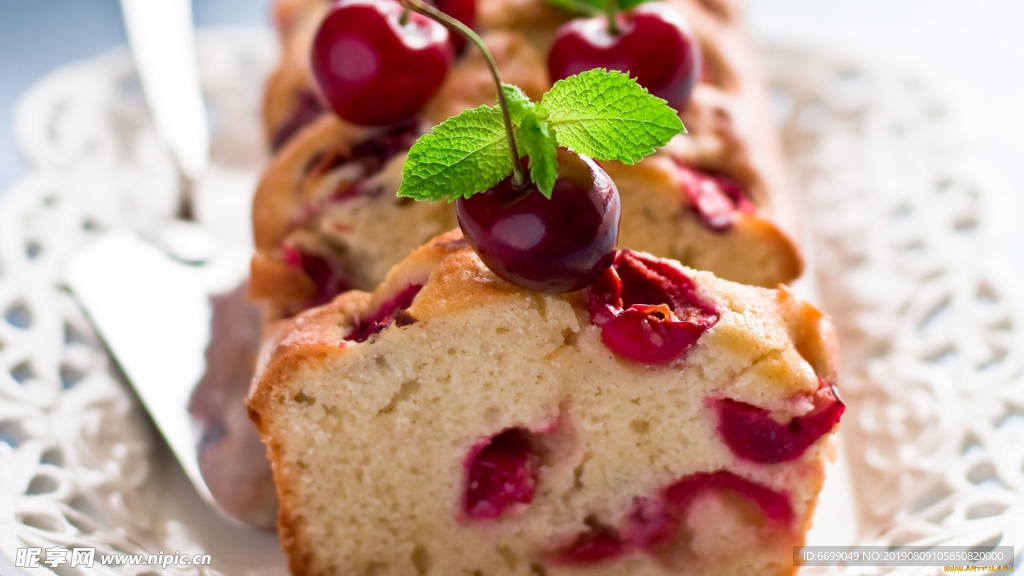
(377, 63)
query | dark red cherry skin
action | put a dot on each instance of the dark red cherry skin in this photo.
(462, 10)
(372, 70)
(557, 245)
(655, 45)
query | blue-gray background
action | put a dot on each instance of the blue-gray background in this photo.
(37, 36)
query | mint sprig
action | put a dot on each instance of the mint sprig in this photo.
(592, 7)
(601, 114)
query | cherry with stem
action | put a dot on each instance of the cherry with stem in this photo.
(652, 42)
(375, 64)
(611, 8)
(519, 177)
(553, 244)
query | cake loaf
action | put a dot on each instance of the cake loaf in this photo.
(326, 217)
(661, 421)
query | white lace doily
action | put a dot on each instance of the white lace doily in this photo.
(933, 351)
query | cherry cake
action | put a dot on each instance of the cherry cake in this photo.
(326, 217)
(660, 421)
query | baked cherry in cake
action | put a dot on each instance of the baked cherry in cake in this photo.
(752, 433)
(652, 42)
(500, 473)
(305, 109)
(648, 309)
(325, 272)
(553, 245)
(717, 200)
(385, 315)
(376, 64)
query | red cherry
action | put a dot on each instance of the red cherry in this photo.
(373, 70)
(557, 245)
(654, 45)
(462, 10)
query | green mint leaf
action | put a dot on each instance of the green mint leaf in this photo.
(461, 156)
(588, 7)
(592, 7)
(519, 104)
(608, 116)
(538, 143)
(627, 4)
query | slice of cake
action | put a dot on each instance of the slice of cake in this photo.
(327, 219)
(661, 421)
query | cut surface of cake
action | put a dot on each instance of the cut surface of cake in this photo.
(657, 422)
(327, 219)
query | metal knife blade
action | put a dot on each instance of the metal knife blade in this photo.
(154, 314)
(163, 46)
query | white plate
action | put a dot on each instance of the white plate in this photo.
(932, 444)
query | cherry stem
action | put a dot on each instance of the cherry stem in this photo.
(611, 9)
(404, 18)
(519, 178)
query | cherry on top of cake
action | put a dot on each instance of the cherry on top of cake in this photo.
(377, 62)
(530, 199)
(653, 42)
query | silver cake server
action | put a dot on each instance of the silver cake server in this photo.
(167, 301)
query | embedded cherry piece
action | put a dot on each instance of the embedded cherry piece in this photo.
(384, 315)
(655, 46)
(599, 544)
(375, 152)
(650, 334)
(373, 69)
(366, 159)
(327, 275)
(677, 498)
(653, 523)
(500, 473)
(648, 309)
(557, 245)
(305, 109)
(752, 434)
(717, 200)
